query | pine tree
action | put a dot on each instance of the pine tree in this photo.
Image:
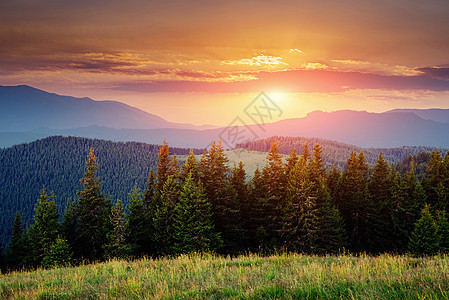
(414, 198)
(313, 224)
(258, 212)
(46, 227)
(93, 211)
(332, 182)
(116, 246)
(424, 239)
(380, 189)
(193, 229)
(332, 235)
(163, 166)
(292, 159)
(70, 228)
(434, 182)
(354, 204)
(16, 250)
(214, 177)
(163, 217)
(443, 231)
(275, 180)
(140, 224)
(59, 254)
(300, 221)
(190, 167)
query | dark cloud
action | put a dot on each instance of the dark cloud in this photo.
(436, 72)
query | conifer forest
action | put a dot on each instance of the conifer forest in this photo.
(293, 205)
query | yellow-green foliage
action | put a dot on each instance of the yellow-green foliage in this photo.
(290, 276)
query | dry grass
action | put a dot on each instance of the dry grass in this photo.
(289, 276)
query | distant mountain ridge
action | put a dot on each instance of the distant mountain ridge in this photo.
(28, 114)
(436, 114)
(25, 108)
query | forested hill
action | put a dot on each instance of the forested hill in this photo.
(336, 152)
(58, 163)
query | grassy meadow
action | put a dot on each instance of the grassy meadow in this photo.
(284, 276)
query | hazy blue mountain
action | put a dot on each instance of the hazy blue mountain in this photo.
(28, 114)
(435, 114)
(366, 129)
(24, 108)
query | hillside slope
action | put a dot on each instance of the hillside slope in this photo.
(58, 163)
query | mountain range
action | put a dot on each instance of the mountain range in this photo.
(28, 114)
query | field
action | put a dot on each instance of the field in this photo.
(284, 276)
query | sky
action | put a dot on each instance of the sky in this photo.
(203, 62)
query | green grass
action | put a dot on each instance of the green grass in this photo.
(290, 276)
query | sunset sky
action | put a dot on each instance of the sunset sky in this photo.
(204, 61)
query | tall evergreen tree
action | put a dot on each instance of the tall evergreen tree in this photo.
(193, 229)
(413, 200)
(16, 251)
(93, 211)
(117, 245)
(46, 227)
(275, 180)
(59, 254)
(435, 182)
(354, 204)
(313, 224)
(258, 212)
(140, 224)
(190, 167)
(332, 182)
(214, 176)
(163, 166)
(163, 218)
(381, 188)
(443, 231)
(424, 239)
(292, 159)
(70, 228)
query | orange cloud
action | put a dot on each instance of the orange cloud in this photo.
(260, 60)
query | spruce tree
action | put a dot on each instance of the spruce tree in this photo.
(435, 181)
(163, 217)
(313, 224)
(93, 212)
(70, 228)
(300, 221)
(258, 212)
(275, 180)
(332, 235)
(46, 227)
(163, 166)
(380, 188)
(59, 254)
(140, 225)
(190, 167)
(292, 159)
(16, 250)
(214, 176)
(424, 238)
(116, 246)
(193, 229)
(354, 204)
(443, 231)
(332, 182)
(413, 201)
